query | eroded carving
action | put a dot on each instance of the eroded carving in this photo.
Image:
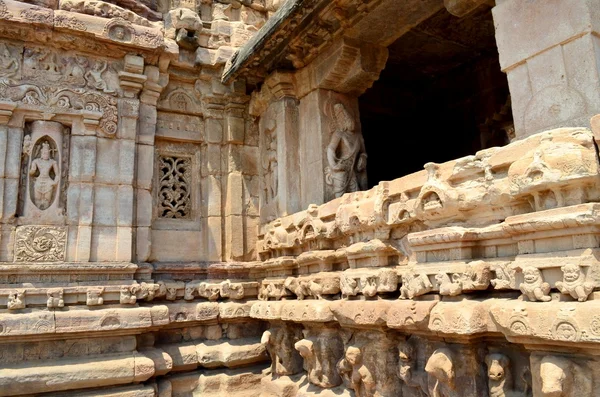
(441, 375)
(279, 341)
(355, 374)
(414, 285)
(55, 298)
(413, 377)
(44, 174)
(16, 300)
(94, 296)
(574, 282)
(534, 287)
(346, 154)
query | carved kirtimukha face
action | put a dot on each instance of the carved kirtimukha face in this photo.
(571, 272)
(531, 275)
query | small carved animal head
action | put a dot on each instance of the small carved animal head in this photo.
(497, 366)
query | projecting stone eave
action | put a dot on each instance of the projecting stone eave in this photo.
(256, 57)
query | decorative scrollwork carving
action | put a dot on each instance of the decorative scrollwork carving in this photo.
(40, 244)
(175, 188)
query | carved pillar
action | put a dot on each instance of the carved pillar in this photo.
(549, 51)
(279, 132)
(10, 149)
(145, 166)
(311, 141)
(214, 219)
(234, 214)
(82, 171)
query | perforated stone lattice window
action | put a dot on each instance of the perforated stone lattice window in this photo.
(174, 196)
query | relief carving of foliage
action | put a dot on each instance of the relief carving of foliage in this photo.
(40, 244)
(174, 193)
(53, 98)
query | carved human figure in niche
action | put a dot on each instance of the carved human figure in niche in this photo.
(8, 64)
(355, 374)
(44, 171)
(412, 377)
(94, 77)
(574, 283)
(346, 155)
(534, 287)
(270, 167)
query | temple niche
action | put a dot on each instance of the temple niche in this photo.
(278, 198)
(44, 172)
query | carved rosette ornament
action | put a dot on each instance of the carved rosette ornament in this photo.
(40, 244)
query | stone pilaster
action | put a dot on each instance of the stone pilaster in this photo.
(549, 51)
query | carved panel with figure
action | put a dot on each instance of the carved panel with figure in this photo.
(44, 173)
(346, 153)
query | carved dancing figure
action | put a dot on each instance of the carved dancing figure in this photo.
(534, 287)
(44, 185)
(574, 283)
(346, 155)
(8, 65)
(94, 77)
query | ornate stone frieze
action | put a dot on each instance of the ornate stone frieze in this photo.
(40, 244)
(73, 101)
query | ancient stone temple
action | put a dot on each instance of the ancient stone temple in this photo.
(279, 198)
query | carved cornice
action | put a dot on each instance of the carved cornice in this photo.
(295, 36)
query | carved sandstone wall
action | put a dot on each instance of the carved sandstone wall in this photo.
(157, 236)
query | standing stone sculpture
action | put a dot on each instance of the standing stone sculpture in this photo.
(346, 154)
(44, 171)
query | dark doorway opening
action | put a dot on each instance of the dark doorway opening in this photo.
(441, 96)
